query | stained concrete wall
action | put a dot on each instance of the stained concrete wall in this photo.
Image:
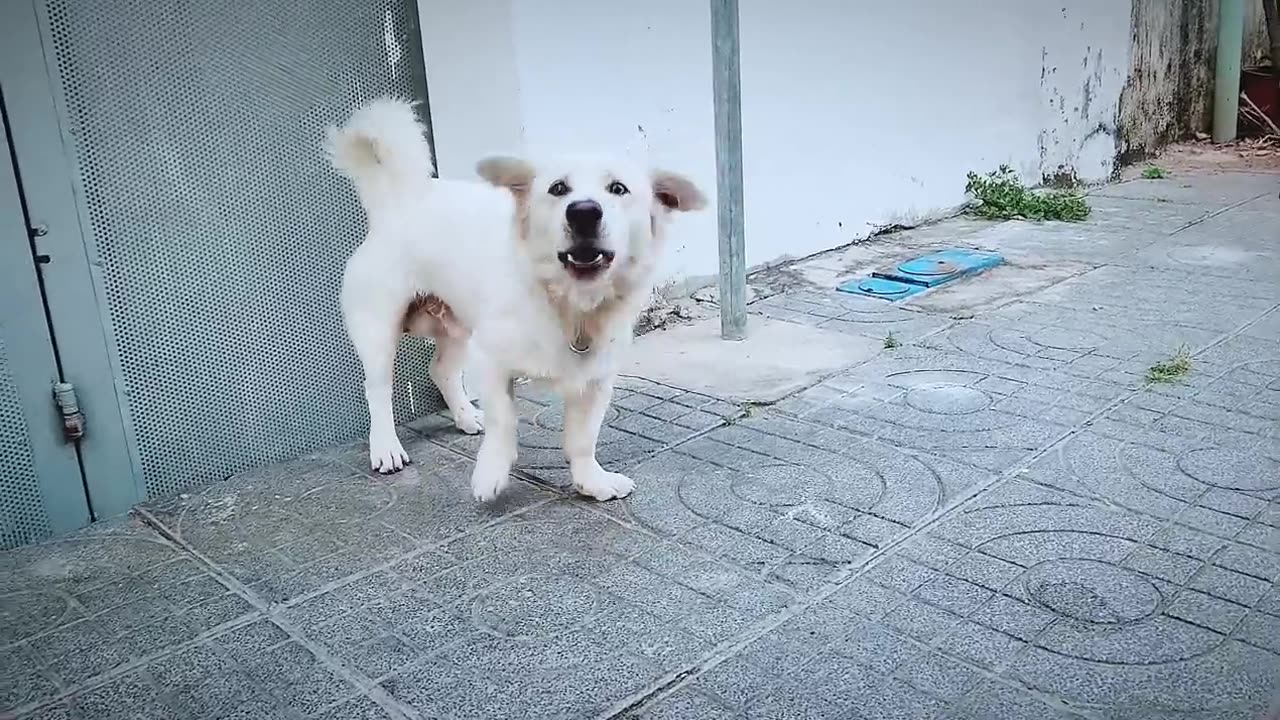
(1257, 44)
(1169, 94)
(857, 115)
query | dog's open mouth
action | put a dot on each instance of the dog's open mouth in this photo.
(585, 263)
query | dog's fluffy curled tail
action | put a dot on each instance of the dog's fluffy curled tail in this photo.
(382, 149)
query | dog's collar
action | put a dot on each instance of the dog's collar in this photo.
(581, 342)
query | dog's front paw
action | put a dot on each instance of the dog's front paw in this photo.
(601, 484)
(489, 478)
(469, 421)
(386, 454)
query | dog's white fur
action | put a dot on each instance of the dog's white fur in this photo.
(489, 250)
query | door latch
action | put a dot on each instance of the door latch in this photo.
(64, 394)
(39, 231)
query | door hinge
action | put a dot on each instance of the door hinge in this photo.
(64, 394)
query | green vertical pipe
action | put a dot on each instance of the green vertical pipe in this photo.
(1226, 76)
(726, 88)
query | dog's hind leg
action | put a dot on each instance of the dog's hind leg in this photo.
(446, 373)
(429, 316)
(377, 351)
(373, 307)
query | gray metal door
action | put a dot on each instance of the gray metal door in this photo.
(197, 256)
(41, 489)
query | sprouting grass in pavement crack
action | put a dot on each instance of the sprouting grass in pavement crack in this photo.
(1000, 195)
(1172, 370)
(890, 342)
(1154, 172)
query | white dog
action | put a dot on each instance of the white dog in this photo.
(543, 269)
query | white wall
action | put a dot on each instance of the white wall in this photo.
(855, 114)
(862, 114)
(471, 81)
(1085, 52)
(577, 75)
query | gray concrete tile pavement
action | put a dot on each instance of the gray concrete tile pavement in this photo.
(998, 518)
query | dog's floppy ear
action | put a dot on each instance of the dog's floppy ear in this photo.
(677, 192)
(508, 172)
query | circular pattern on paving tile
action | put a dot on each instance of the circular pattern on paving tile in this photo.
(1059, 338)
(927, 377)
(774, 509)
(947, 399)
(535, 606)
(30, 612)
(1107, 613)
(351, 502)
(1231, 469)
(37, 582)
(783, 485)
(552, 418)
(1134, 476)
(936, 396)
(879, 313)
(546, 431)
(1091, 591)
(85, 560)
(1101, 633)
(1035, 339)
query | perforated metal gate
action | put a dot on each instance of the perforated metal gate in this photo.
(22, 513)
(219, 231)
(41, 487)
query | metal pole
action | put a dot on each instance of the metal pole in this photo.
(1226, 75)
(726, 86)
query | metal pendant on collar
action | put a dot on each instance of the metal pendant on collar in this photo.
(581, 343)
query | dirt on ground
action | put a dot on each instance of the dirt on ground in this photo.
(664, 312)
(1259, 154)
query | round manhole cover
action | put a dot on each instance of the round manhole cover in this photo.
(927, 266)
(886, 288)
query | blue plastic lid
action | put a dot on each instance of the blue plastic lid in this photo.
(928, 266)
(877, 286)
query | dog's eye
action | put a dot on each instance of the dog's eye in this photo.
(617, 188)
(559, 188)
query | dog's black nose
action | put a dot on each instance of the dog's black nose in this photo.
(584, 217)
